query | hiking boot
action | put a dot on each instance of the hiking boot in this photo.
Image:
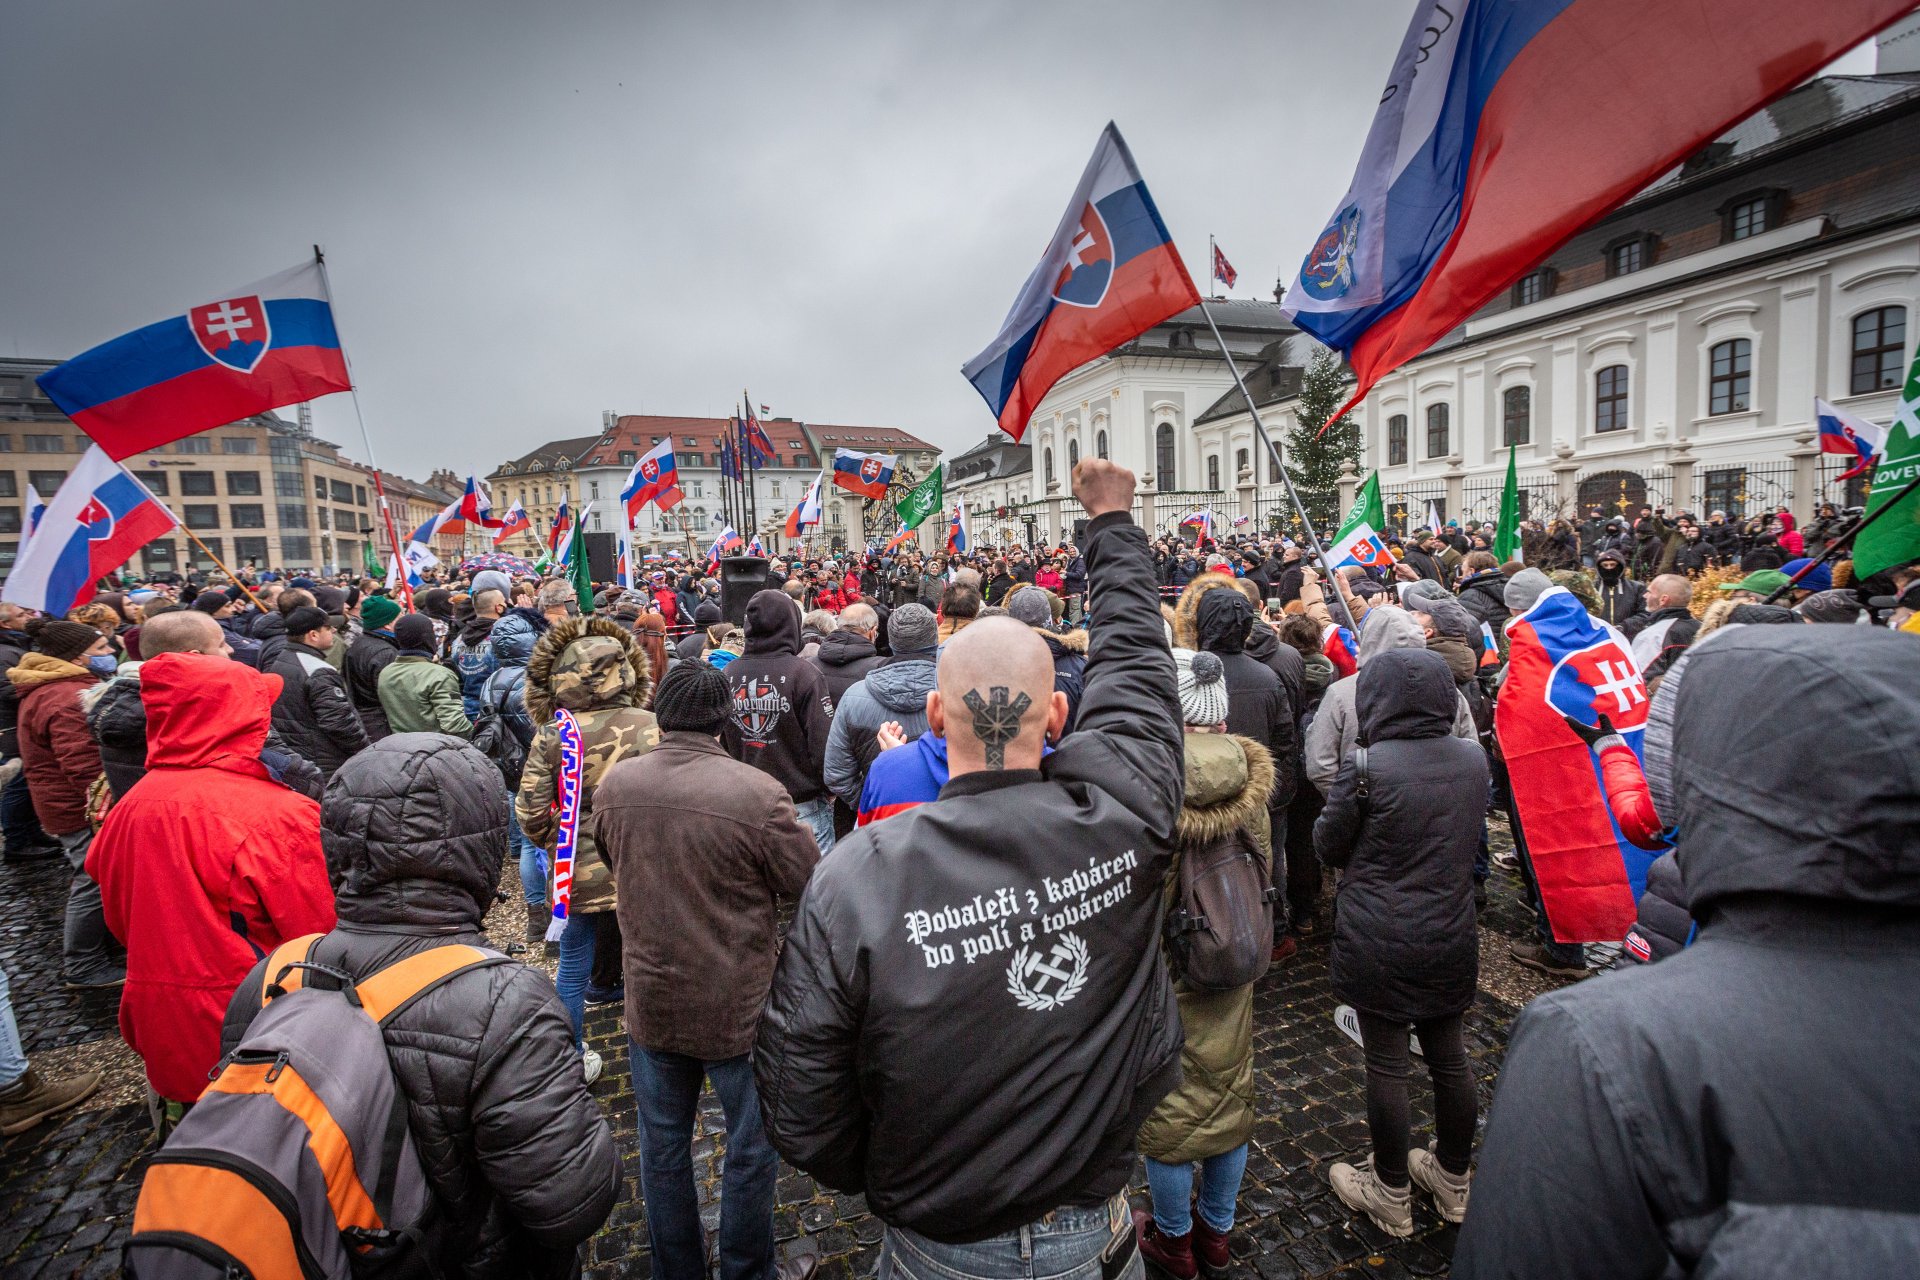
(1449, 1190)
(605, 995)
(33, 1098)
(591, 1064)
(1164, 1254)
(1361, 1190)
(1530, 953)
(538, 917)
(100, 979)
(1285, 949)
(1210, 1249)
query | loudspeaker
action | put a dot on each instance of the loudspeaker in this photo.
(603, 556)
(1080, 533)
(740, 577)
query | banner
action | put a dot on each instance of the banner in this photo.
(923, 500)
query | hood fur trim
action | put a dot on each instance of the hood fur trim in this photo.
(1199, 825)
(548, 648)
(1074, 641)
(1186, 614)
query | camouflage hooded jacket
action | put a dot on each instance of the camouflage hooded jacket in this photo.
(594, 668)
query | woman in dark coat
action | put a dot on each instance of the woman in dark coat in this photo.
(1405, 947)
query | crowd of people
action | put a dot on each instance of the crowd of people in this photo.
(1042, 820)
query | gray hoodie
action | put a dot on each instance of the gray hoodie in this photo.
(1335, 729)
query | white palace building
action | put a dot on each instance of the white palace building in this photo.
(1671, 353)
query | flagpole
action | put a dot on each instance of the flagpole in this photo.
(1260, 429)
(353, 392)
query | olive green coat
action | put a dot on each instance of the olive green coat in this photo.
(421, 696)
(1228, 781)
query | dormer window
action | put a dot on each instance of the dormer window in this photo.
(1533, 287)
(1629, 254)
(1751, 214)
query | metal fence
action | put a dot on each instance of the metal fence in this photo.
(1829, 487)
(1408, 505)
(1480, 498)
(1742, 491)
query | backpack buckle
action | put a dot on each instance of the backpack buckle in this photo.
(340, 976)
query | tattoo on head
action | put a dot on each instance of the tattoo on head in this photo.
(996, 721)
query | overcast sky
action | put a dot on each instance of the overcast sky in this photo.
(536, 212)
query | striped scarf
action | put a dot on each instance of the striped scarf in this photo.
(572, 778)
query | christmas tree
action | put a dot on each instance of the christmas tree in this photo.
(1312, 458)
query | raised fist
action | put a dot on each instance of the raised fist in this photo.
(1102, 486)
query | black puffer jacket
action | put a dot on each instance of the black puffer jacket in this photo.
(13, 647)
(313, 712)
(367, 657)
(1259, 705)
(118, 721)
(1065, 1022)
(1661, 926)
(1484, 596)
(1405, 945)
(517, 1151)
(844, 658)
(270, 629)
(1744, 1108)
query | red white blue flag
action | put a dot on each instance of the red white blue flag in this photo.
(517, 521)
(1563, 662)
(654, 478)
(1110, 274)
(1508, 125)
(1843, 433)
(1222, 269)
(807, 512)
(959, 537)
(91, 527)
(261, 347)
(867, 474)
(560, 537)
(756, 434)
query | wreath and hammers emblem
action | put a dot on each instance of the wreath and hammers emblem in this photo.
(1044, 980)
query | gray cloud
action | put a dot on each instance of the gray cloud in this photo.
(536, 212)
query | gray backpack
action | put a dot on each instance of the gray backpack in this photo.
(297, 1160)
(1220, 930)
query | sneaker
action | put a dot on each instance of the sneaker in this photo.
(1361, 1190)
(590, 1063)
(1210, 1250)
(33, 1098)
(1531, 953)
(100, 981)
(1285, 949)
(1506, 860)
(1449, 1190)
(1164, 1254)
(606, 995)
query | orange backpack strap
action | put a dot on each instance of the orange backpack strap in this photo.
(291, 952)
(393, 988)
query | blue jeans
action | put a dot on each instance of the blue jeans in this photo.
(13, 1056)
(816, 815)
(576, 966)
(1065, 1245)
(17, 820)
(1171, 1186)
(533, 862)
(666, 1092)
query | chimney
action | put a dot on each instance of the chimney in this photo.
(608, 418)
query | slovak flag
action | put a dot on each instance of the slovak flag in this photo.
(446, 520)
(959, 538)
(1222, 269)
(92, 526)
(867, 474)
(1447, 207)
(653, 479)
(476, 505)
(1563, 662)
(728, 540)
(898, 540)
(263, 346)
(517, 521)
(1201, 520)
(1342, 650)
(560, 537)
(1842, 433)
(754, 547)
(807, 513)
(1110, 274)
(756, 434)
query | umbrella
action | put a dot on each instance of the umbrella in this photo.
(512, 566)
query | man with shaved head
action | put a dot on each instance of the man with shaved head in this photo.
(1668, 598)
(971, 1017)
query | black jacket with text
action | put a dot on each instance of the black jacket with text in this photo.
(971, 1017)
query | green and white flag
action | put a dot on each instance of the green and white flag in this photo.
(1361, 538)
(1506, 534)
(1894, 538)
(922, 500)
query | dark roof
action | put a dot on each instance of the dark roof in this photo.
(549, 455)
(864, 438)
(1273, 379)
(995, 458)
(640, 432)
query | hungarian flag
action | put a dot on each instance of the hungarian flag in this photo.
(1563, 662)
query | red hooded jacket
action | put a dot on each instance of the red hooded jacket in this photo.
(205, 865)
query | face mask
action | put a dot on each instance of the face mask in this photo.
(103, 664)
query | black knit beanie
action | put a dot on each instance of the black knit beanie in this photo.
(694, 697)
(64, 640)
(414, 634)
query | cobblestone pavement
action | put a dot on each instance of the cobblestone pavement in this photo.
(67, 1188)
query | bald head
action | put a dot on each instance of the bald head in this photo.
(183, 631)
(1668, 591)
(995, 703)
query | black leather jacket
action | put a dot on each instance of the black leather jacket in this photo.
(971, 1017)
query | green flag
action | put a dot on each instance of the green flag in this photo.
(369, 558)
(578, 570)
(923, 500)
(1895, 537)
(1506, 535)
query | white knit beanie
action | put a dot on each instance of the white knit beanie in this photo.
(1202, 683)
